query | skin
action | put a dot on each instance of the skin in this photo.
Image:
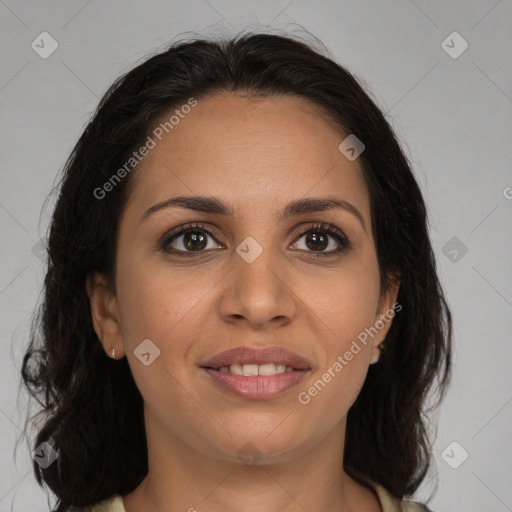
(257, 155)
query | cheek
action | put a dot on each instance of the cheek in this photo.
(330, 395)
(166, 310)
(155, 304)
(342, 312)
(345, 303)
(344, 307)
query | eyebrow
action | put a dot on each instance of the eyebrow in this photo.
(215, 206)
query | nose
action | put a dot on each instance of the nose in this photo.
(258, 293)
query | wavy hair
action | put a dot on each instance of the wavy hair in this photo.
(91, 409)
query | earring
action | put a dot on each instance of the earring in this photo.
(113, 356)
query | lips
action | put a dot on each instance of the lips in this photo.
(245, 355)
(239, 371)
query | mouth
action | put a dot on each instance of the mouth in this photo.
(256, 374)
(252, 370)
(268, 360)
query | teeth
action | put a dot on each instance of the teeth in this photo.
(270, 369)
(256, 369)
(249, 369)
(236, 369)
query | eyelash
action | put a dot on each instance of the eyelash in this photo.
(194, 227)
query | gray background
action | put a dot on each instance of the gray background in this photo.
(453, 116)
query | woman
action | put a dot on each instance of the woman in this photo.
(239, 231)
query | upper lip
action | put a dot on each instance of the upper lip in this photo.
(246, 355)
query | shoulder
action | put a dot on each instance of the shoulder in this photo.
(113, 504)
(388, 502)
(412, 506)
(391, 503)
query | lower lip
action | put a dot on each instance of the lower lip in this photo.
(256, 387)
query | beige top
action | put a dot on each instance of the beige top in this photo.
(387, 501)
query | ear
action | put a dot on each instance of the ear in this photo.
(105, 314)
(386, 310)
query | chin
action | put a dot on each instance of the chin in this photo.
(258, 448)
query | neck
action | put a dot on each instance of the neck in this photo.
(183, 478)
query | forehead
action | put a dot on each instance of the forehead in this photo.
(270, 149)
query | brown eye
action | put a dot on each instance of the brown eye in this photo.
(194, 241)
(187, 240)
(316, 241)
(318, 238)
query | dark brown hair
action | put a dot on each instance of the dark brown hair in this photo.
(91, 407)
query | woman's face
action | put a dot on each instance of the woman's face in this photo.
(257, 281)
